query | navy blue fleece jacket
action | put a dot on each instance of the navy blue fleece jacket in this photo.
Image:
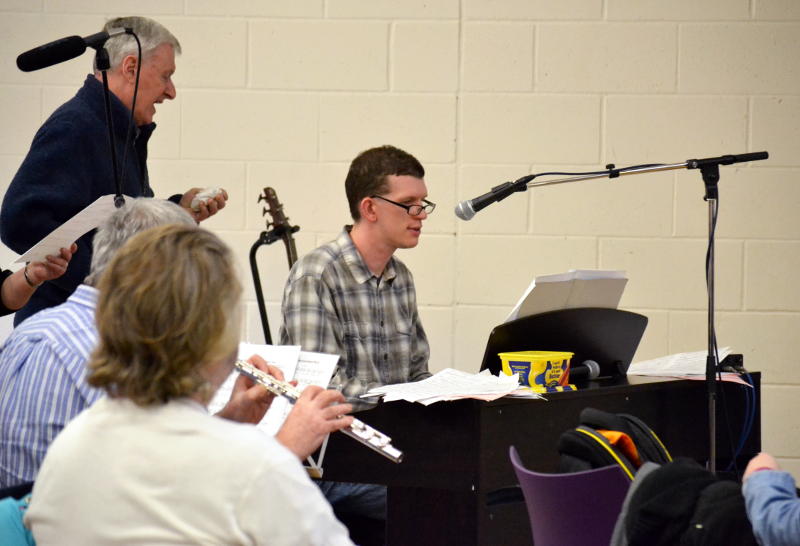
(66, 169)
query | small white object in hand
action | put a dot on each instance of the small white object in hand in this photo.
(204, 196)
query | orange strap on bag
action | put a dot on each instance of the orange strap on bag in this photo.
(624, 443)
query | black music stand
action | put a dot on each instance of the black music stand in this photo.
(607, 336)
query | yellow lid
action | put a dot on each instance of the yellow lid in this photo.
(536, 355)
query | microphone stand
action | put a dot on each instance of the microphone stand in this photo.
(709, 168)
(103, 64)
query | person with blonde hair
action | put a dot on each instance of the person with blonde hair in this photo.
(147, 464)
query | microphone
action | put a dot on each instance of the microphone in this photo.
(467, 209)
(729, 159)
(585, 371)
(64, 49)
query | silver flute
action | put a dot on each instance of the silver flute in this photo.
(358, 430)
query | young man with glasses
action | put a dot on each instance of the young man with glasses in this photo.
(354, 298)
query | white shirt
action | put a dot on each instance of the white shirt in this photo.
(172, 474)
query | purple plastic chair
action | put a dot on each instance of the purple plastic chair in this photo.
(576, 509)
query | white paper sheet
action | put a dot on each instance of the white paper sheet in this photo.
(284, 357)
(450, 384)
(315, 369)
(312, 369)
(71, 230)
(306, 367)
(684, 366)
(575, 288)
(679, 364)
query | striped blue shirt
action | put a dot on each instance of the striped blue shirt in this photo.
(42, 382)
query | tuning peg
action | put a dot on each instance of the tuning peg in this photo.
(261, 197)
(263, 211)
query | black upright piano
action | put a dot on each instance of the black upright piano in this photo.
(456, 453)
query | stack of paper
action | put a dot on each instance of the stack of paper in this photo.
(449, 384)
(676, 365)
(575, 288)
(682, 365)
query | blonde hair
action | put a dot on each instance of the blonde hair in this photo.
(168, 306)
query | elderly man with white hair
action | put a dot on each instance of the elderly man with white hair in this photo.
(68, 165)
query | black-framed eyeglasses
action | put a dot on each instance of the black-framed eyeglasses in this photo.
(413, 210)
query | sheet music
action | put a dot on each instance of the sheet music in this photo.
(306, 367)
(575, 288)
(450, 384)
(285, 358)
(684, 366)
(312, 369)
(71, 230)
(315, 369)
(679, 364)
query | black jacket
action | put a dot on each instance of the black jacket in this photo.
(67, 168)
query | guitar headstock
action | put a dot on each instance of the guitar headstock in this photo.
(275, 210)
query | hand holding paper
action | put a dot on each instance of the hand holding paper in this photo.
(71, 230)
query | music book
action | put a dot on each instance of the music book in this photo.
(573, 289)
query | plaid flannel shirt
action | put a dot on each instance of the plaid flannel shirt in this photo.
(332, 303)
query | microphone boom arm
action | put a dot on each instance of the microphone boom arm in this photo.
(610, 173)
(688, 164)
(467, 209)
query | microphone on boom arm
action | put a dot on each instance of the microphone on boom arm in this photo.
(467, 209)
(63, 49)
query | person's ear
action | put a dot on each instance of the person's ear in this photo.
(368, 210)
(128, 68)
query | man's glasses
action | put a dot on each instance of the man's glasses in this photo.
(413, 210)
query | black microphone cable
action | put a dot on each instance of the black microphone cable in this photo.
(718, 372)
(733, 464)
(610, 171)
(131, 121)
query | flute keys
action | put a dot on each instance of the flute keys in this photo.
(358, 426)
(358, 430)
(379, 441)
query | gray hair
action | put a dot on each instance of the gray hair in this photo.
(151, 34)
(134, 216)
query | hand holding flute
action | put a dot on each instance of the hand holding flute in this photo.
(356, 429)
(316, 413)
(249, 401)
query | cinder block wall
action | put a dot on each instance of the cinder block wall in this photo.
(284, 93)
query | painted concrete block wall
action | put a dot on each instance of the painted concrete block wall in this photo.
(284, 93)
